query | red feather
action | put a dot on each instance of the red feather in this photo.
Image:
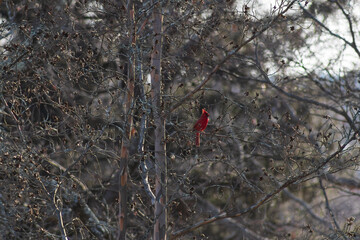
(200, 125)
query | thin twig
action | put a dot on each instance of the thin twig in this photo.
(327, 204)
(306, 207)
(352, 45)
(350, 25)
(310, 101)
(227, 57)
(267, 197)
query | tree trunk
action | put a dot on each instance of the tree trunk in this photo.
(160, 147)
(124, 158)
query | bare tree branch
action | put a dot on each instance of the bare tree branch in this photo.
(331, 213)
(267, 197)
(229, 55)
(351, 44)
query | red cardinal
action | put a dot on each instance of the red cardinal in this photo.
(200, 125)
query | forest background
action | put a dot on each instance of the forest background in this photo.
(97, 105)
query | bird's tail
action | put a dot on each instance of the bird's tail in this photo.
(197, 139)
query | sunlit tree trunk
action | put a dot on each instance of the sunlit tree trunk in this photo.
(160, 147)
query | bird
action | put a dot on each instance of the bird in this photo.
(200, 126)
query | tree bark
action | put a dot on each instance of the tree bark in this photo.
(160, 147)
(124, 157)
